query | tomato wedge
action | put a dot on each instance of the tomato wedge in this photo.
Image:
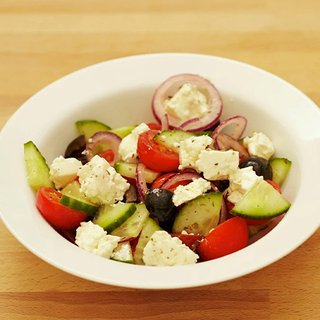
(57, 214)
(155, 156)
(154, 126)
(108, 155)
(228, 237)
(158, 182)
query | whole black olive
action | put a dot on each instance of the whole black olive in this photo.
(75, 149)
(159, 204)
(260, 166)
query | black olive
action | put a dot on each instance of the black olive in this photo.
(75, 149)
(222, 184)
(159, 204)
(260, 166)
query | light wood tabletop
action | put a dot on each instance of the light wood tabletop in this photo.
(41, 41)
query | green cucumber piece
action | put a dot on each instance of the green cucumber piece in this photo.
(280, 169)
(261, 202)
(90, 127)
(110, 217)
(172, 138)
(128, 170)
(123, 131)
(199, 215)
(148, 230)
(73, 198)
(36, 167)
(133, 225)
(123, 253)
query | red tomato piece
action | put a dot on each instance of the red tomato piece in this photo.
(154, 126)
(190, 240)
(180, 183)
(57, 214)
(108, 155)
(228, 237)
(155, 156)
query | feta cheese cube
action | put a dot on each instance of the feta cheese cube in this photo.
(190, 149)
(187, 103)
(64, 171)
(164, 250)
(241, 181)
(100, 182)
(217, 165)
(190, 191)
(128, 145)
(259, 145)
(92, 238)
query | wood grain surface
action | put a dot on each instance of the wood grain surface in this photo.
(41, 41)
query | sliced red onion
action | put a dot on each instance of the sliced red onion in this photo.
(233, 127)
(179, 177)
(131, 194)
(188, 123)
(164, 122)
(273, 223)
(224, 142)
(214, 188)
(223, 211)
(103, 138)
(169, 87)
(141, 181)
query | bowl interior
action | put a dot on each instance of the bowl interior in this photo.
(119, 93)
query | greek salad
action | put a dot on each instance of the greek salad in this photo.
(186, 188)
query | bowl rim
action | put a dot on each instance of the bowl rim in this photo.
(199, 274)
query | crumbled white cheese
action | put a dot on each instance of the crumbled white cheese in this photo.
(100, 182)
(190, 191)
(259, 145)
(187, 103)
(128, 145)
(241, 181)
(164, 250)
(94, 239)
(217, 165)
(64, 171)
(190, 149)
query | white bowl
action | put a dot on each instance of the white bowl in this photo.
(119, 92)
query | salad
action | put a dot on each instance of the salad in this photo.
(186, 188)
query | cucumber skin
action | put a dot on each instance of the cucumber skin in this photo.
(128, 170)
(109, 226)
(147, 231)
(132, 227)
(168, 138)
(188, 218)
(79, 205)
(37, 168)
(259, 203)
(280, 169)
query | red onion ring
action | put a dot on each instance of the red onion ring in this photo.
(164, 122)
(103, 137)
(141, 181)
(224, 142)
(233, 127)
(188, 122)
(223, 211)
(131, 194)
(179, 177)
(169, 87)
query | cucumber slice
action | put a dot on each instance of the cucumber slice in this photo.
(148, 230)
(36, 167)
(280, 169)
(73, 198)
(90, 127)
(123, 131)
(172, 138)
(199, 215)
(261, 202)
(129, 170)
(110, 217)
(133, 225)
(123, 253)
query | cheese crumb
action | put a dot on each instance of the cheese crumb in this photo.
(164, 250)
(190, 191)
(259, 145)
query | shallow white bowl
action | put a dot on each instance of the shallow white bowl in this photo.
(119, 92)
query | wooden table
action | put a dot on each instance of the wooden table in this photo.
(41, 41)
